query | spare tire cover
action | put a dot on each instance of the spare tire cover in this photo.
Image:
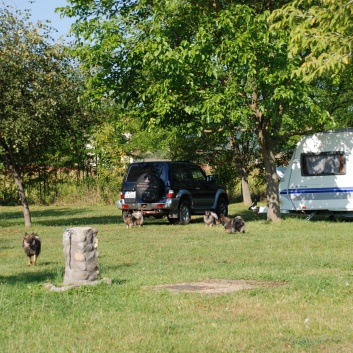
(149, 187)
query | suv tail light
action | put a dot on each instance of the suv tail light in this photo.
(170, 194)
(122, 196)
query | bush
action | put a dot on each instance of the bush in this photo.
(65, 189)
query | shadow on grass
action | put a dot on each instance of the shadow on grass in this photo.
(113, 268)
(248, 215)
(78, 221)
(67, 217)
(39, 278)
(62, 216)
(29, 277)
(42, 213)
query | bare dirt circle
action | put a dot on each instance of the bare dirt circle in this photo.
(217, 286)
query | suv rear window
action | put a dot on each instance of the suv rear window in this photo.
(138, 169)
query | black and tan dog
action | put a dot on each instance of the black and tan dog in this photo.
(31, 244)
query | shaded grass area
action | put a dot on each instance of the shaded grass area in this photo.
(311, 313)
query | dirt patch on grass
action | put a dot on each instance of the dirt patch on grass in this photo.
(218, 286)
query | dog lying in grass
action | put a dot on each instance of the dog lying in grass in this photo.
(239, 224)
(133, 218)
(31, 244)
(210, 218)
(232, 225)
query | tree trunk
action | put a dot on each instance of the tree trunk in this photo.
(17, 179)
(245, 190)
(21, 193)
(272, 188)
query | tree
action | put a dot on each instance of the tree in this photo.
(321, 32)
(232, 154)
(194, 64)
(39, 110)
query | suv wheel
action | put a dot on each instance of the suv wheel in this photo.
(184, 214)
(222, 207)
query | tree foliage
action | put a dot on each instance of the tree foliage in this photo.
(40, 116)
(232, 154)
(196, 65)
(321, 32)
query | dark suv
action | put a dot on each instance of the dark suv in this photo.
(172, 189)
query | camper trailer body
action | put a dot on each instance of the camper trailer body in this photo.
(319, 176)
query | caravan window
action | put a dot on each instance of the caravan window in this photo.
(326, 163)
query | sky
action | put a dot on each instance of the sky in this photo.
(45, 10)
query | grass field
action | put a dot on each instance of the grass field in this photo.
(311, 312)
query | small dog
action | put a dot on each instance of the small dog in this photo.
(127, 218)
(137, 218)
(31, 244)
(210, 218)
(132, 219)
(232, 225)
(239, 224)
(229, 227)
(223, 219)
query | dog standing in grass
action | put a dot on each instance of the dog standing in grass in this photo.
(127, 218)
(31, 244)
(132, 219)
(137, 218)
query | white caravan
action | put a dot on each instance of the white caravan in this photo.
(319, 176)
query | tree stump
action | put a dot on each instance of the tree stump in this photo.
(81, 255)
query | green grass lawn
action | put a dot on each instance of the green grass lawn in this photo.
(312, 312)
